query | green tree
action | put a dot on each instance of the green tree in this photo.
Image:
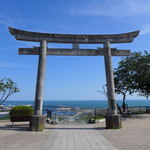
(133, 75)
(7, 88)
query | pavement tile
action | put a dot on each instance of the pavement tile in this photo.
(135, 135)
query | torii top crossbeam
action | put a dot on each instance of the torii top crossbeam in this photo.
(73, 38)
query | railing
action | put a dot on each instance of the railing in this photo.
(4, 115)
(139, 109)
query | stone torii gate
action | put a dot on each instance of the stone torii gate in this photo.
(113, 120)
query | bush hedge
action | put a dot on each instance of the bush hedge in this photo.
(21, 111)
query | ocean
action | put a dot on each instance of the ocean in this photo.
(80, 103)
(89, 104)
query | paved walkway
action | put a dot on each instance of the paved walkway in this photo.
(78, 137)
(135, 135)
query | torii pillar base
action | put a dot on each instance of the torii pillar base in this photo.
(113, 121)
(37, 123)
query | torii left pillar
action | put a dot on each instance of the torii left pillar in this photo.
(37, 121)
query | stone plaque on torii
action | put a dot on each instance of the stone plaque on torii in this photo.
(113, 120)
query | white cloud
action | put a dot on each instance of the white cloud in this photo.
(145, 30)
(5, 20)
(114, 8)
(9, 14)
(13, 65)
(9, 21)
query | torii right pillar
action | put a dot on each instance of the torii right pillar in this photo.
(113, 120)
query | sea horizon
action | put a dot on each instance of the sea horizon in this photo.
(79, 103)
(83, 100)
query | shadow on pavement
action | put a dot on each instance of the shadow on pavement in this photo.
(138, 116)
(22, 127)
(77, 128)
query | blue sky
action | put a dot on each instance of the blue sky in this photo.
(68, 77)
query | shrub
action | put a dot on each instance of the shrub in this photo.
(21, 111)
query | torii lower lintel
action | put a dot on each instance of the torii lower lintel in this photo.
(74, 52)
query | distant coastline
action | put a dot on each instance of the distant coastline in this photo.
(79, 103)
(87, 100)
